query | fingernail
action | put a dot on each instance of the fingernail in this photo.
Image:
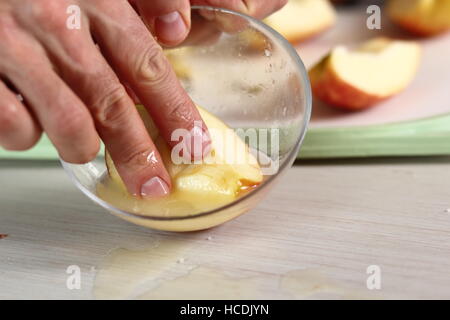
(199, 144)
(170, 27)
(154, 188)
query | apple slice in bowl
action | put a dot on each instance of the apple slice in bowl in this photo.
(219, 179)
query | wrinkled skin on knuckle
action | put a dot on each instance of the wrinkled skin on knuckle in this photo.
(132, 163)
(109, 106)
(152, 67)
(180, 111)
(135, 155)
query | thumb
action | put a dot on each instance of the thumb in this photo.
(256, 8)
(169, 21)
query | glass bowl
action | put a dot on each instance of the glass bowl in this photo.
(250, 77)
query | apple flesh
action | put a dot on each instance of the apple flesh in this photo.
(181, 69)
(214, 182)
(421, 17)
(302, 19)
(357, 79)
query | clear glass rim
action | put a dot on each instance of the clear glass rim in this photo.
(288, 161)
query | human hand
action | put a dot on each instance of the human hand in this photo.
(75, 89)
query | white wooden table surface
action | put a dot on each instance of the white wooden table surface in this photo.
(314, 236)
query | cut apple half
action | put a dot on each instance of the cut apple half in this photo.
(203, 186)
(356, 79)
(302, 19)
(421, 17)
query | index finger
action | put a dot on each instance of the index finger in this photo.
(140, 62)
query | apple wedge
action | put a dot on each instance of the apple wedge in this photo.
(357, 79)
(181, 69)
(302, 19)
(207, 185)
(421, 17)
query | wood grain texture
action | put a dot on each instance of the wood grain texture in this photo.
(331, 219)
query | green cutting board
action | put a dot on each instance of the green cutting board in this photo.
(425, 137)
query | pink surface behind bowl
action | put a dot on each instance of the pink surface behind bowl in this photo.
(428, 95)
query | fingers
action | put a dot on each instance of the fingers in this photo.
(123, 132)
(115, 116)
(61, 114)
(169, 21)
(18, 130)
(140, 62)
(203, 32)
